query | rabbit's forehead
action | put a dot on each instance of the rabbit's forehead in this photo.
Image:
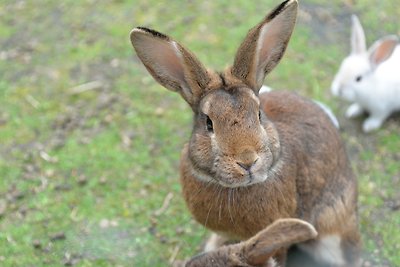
(354, 65)
(222, 102)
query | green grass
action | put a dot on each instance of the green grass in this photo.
(96, 166)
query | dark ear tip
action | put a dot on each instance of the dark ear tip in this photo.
(282, 7)
(147, 31)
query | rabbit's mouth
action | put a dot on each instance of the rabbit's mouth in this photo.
(228, 172)
(231, 174)
(228, 177)
(248, 179)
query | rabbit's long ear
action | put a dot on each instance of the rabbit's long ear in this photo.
(170, 64)
(358, 43)
(265, 45)
(382, 49)
(282, 233)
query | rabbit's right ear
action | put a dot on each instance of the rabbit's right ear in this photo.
(280, 234)
(382, 49)
(265, 45)
(170, 64)
(358, 43)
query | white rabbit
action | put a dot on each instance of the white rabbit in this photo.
(370, 79)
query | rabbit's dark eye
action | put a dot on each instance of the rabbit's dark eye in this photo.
(358, 78)
(259, 115)
(209, 124)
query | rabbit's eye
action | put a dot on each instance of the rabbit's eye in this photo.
(209, 124)
(259, 115)
(358, 78)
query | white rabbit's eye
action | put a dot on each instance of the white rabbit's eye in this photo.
(358, 78)
(209, 124)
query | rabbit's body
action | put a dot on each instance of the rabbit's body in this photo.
(254, 159)
(298, 123)
(322, 190)
(370, 79)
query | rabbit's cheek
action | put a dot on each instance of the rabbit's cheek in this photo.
(260, 173)
(347, 93)
(201, 151)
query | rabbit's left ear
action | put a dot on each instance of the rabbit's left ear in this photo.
(265, 45)
(382, 49)
(173, 66)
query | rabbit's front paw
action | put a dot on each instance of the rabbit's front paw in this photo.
(371, 124)
(354, 111)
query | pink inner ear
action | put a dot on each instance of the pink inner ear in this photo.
(269, 43)
(383, 51)
(163, 57)
(272, 43)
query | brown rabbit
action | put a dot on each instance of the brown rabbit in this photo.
(260, 249)
(254, 159)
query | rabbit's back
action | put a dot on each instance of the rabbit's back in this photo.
(300, 117)
(312, 143)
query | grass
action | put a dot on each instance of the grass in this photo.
(84, 176)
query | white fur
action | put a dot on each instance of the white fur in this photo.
(272, 263)
(214, 242)
(329, 112)
(327, 249)
(265, 89)
(379, 89)
(351, 67)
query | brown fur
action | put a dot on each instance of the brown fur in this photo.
(252, 160)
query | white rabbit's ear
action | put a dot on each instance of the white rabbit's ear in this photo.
(358, 43)
(280, 234)
(170, 64)
(265, 45)
(382, 49)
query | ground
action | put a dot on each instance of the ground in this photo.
(89, 143)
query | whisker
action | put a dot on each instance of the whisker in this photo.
(235, 207)
(220, 205)
(202, 188)
(211, 206)
(230, 192)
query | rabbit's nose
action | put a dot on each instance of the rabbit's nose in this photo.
(246, 166)
(247, 159)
